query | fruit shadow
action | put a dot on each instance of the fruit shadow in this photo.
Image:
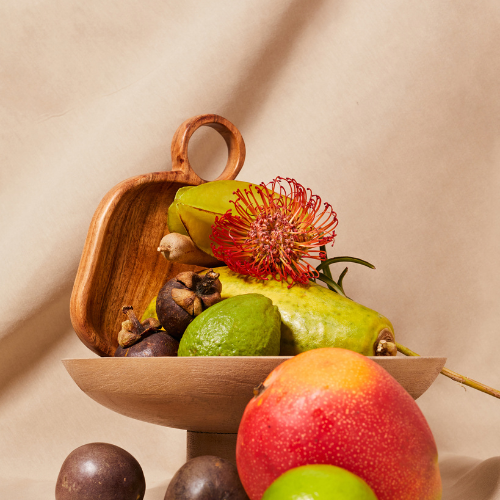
(469, 478)
(156, 492)
(24, 347)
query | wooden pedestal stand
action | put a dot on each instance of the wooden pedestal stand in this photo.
(211, 443)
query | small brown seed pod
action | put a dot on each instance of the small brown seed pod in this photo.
(184, 297)
(137, 339)
(133, 330)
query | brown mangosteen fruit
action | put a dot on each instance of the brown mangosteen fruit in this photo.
(184, 297)
(137, 339)
(155, 344)
(206, 478)
(100, 471)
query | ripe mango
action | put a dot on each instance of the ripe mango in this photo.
(333, 406)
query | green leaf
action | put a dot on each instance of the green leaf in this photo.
(341, 277)
(331, 284)
(326, 270)
(326, 263)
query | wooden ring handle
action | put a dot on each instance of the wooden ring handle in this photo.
(234, 140)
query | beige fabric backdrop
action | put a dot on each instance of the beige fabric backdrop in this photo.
(389, 110)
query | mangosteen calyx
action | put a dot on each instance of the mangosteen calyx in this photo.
(133, 330)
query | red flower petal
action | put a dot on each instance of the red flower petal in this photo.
(272, 230)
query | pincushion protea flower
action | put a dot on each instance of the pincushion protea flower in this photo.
(273, 228)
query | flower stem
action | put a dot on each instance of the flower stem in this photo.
(326, 268)
(455, 376)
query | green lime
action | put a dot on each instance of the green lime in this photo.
(244, 325)
(319, 482)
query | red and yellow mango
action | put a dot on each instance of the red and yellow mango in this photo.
(334, 406)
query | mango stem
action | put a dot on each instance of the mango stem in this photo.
(455, 376)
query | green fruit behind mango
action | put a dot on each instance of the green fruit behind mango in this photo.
(243, 325)
(311, 316)
(195, 208)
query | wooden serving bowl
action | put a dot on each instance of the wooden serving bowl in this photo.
(120, 265)
(206, 395)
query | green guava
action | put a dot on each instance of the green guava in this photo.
(244, 325)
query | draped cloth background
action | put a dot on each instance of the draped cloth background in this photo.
(388, 110)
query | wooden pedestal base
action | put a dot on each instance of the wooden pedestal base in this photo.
(211, 443)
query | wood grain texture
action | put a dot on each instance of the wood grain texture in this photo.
(205, 394)
(232, 136)
(120, 264)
